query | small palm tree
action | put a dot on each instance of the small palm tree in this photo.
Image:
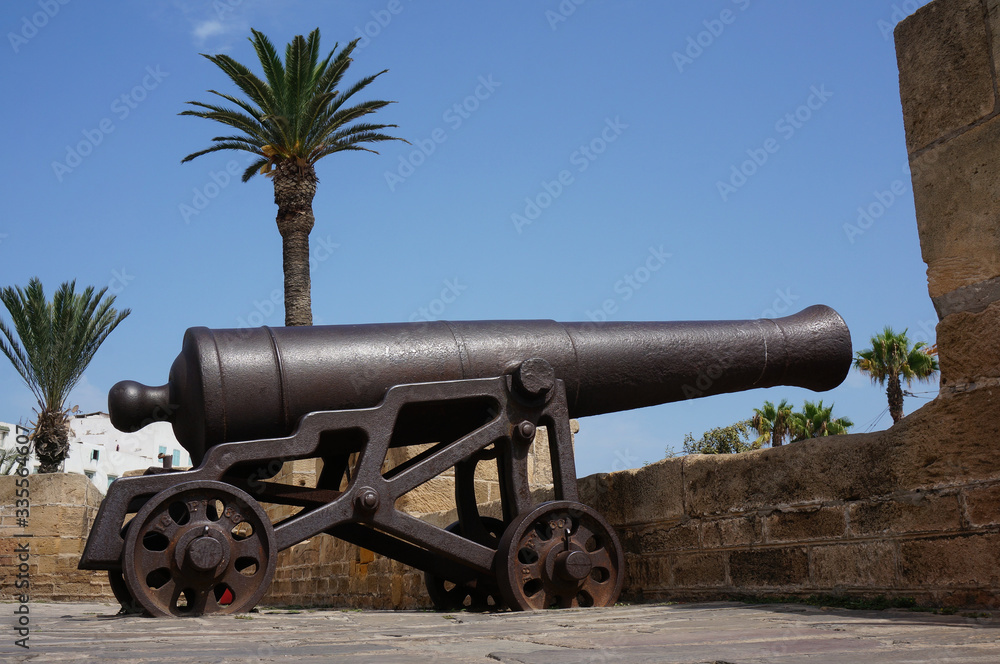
(772, 422)
(50, 345)
(289, 121)
(890, 357)
(817, 420)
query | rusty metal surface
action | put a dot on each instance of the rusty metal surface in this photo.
(477, 594)
(560, 554)
(199, 548)
(247, 384)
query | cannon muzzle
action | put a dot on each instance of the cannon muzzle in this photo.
(244, 384)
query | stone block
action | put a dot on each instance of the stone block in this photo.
(739, 531)
(918, 513)
(642, 495)
(540, 459)
(62, 489)
(435, 495)
(671, 538)
(45, 546)
(649, 571)
(983, 505)
(805, 525)
(862, 565)
(699, 570)
(942, 562)
(827, 469)
(769, 568)
(950, 441)
(958, 209)
(945, 70)
(969, 346)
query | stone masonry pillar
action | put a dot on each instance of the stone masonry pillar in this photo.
(949, 55)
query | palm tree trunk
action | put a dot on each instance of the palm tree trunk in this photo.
(294, 189)
(51, 440)
(895, 393)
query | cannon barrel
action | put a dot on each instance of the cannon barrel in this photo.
(230, 385)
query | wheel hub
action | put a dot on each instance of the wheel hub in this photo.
(205, 554)
(573, 566)
(199, 547)
(559, 554)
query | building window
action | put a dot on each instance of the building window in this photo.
(111, 478)
(163, 449)
(89, 474)
(95, 455)
(177, 457)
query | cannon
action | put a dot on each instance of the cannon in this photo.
(242, 402)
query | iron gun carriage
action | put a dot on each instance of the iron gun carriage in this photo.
(243, 402)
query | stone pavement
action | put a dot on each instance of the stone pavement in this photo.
(714, 633)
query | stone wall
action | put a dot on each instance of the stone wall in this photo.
(911, 512)
(62, 510)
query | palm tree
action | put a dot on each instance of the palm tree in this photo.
(772, 422)
(289, 121)
(890, 357)
(58, 340)
(817, 420)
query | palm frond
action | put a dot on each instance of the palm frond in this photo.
(295, 111)
(254, 168)
(258, 91)
(274, 70)
(51, 344)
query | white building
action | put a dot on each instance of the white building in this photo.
(103, 453)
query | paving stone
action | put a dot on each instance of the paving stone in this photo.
(638, 634)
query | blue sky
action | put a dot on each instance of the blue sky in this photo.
(757, 148)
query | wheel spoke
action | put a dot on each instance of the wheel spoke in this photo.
(177, 575)
(601, 559)
(540, 584)
(241, 585)
(147, 560)
(251, 547)
(198, 603)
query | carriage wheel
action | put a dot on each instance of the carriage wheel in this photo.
(480, 594)
(199, 548)
(559, 555)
